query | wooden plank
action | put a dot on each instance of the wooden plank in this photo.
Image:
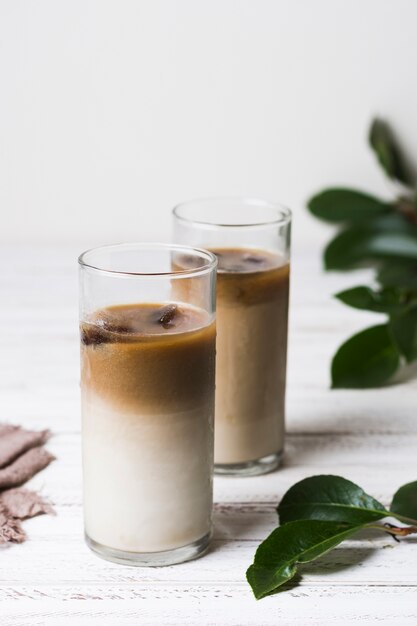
(370, 558)
(321, 606)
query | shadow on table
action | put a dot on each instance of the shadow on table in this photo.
(244, 522)
(329, 564)
(407, 372)
(247, 523)
(311, 448)
(338, 560)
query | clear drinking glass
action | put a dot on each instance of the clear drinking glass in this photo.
(251, 239)
(147, 332)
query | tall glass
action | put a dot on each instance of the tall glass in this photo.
(251, 239)
(147, 386)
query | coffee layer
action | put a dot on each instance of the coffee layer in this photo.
(149, 357)
(249, 276)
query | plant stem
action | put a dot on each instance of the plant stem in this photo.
(406, 207)
(394, 530)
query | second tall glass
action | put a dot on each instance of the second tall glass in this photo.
(251, 239)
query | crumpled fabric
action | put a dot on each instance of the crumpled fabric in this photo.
(22, 455)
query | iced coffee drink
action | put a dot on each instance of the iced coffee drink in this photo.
(147, 379)
(251, 241)
(252, 313)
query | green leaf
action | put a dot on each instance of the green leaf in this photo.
(347, 249)
(404, 502)
(367, 359)
(387, 152)
(401, 245)
(346, 205)
(398, 274)
(393, 223)
(365, 298)
(330, 498)
(356, 245)
(403, 328)
(296, 542)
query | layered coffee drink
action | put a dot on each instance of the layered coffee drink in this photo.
(252, 320)
(251, 239)
(147, 420)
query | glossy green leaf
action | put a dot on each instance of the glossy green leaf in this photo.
(398, 274)
(328, 497)
(388, 153)
(355, 245)
(400, 245)
(404, 502)
(344, 205)
(347, 249)
(403, 328)
(365, 298)
(392, 223)
(367, 359)
(302, 541)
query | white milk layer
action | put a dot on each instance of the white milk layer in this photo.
(250, 380)
(147, 478)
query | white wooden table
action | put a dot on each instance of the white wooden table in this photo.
(368, 437)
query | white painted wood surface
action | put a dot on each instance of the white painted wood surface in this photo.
(369, 437)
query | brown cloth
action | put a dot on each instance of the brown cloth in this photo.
(24, 467)
(21, 457)
(14, 441)
(10, 528)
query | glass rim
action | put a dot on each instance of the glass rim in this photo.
(283, 218)
(186, 273)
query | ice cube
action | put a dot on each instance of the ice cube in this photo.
(251, 258)
(167, 314)
(92, 335)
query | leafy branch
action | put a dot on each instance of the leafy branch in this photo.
(380, 234)
(316, 515)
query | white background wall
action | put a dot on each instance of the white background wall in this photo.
(111, 111)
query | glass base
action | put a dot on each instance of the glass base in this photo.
(150, 559)
(250, 468)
